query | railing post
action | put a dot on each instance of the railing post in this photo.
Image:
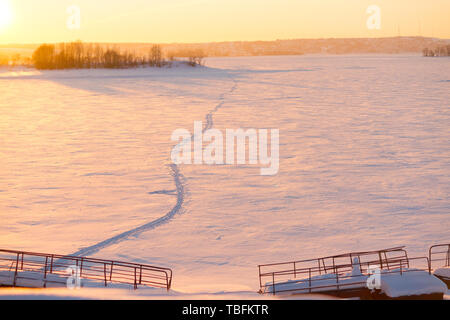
(104, 271)
(407, 258)
(45, 269)
(167, 282)
(429, 255)
(381, 260)
(448, 256)
(337, 281)
(140, 275)
(310, 284)
(51, 264)
(273, 283)
(81, 266)
(15, 273)
(135, 278)
(387, 260)
(170, 280)
(45, 272)
(334, 263)
(295, 271)
(260, 282)
(429, 266)
(111, 272)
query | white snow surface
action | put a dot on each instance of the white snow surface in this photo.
(320, 283)
(121, 294)
(410, 283)
(32, 279)
(85, 163)
(442, 272)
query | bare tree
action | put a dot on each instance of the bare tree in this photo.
(155, 59)
(196, 57)
(44, 57)
(80, 55)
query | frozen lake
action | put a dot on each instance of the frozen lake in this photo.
(364, 163)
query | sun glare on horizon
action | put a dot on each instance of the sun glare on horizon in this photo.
(5, 13)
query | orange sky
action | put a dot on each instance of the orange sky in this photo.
(32, 21)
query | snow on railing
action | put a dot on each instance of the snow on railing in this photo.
(54, 268)
(334, 273)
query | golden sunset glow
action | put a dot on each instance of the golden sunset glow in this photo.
(5, 13)
(217, 20)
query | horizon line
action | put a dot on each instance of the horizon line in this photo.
(225, 41)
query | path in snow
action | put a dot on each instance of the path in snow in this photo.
(209, 117)
(180, 193)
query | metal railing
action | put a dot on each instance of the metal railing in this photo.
(439, 255)
(104, 271)
(333, 273)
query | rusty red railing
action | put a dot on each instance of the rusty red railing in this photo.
(336, 271)
(439, 255)
(104, 271)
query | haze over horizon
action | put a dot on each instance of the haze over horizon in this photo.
(200, 21)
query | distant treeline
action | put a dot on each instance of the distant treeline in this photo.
(442, 51)
(15, 59)
(391, 45)
(78, 55)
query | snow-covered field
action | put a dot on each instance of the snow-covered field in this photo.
(364, 163)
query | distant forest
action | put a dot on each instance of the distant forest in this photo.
(78, 55)
(392, 45)
(126, 55)
(442, 51)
